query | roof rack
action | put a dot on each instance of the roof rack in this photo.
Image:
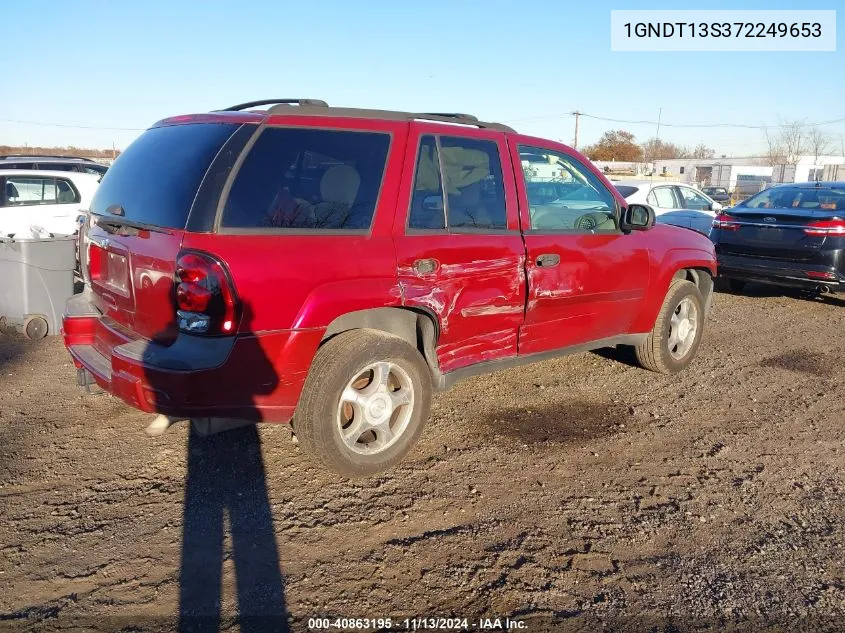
(261, 102)
(454, 115)
(37, 157)
(464, 119)
(64, 156)
(317, 107)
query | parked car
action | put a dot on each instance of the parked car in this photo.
(673, 202)
(53, 163)
(335, 266)
(719, 194)
(48, 200)
(787, 235)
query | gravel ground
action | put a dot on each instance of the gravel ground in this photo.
(579, 494)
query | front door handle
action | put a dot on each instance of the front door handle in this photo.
(548, 260)
(425, 266)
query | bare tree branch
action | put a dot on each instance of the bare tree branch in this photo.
(818, 143)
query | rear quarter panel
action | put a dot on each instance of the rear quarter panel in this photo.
(292, 285)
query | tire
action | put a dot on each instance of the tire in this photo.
(736, 285)
(663, 353)
(364, 403)
(35, 328)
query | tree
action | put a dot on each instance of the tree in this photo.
(702, 151)
(655, 149)
(615, 145)
(818, 143)
(786, 147)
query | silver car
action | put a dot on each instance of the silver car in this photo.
(674, 202)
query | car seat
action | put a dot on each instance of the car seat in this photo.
(11, 191)
(338, 189)
(466, 208)
(65, 193)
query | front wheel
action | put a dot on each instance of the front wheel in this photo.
(364, 403)
(674, 340)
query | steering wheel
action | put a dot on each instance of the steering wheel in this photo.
(591, 221)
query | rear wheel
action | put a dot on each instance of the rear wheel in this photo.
(674, 340)
(364, 403)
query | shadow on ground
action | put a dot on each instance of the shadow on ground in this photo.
(805, 362)
(564, 421)
(765, 290)
(226, 481)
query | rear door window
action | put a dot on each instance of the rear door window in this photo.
(691, 199)
(474, 194)
(156, 179)
(27, 191)
(307, 178)
(472, 173)
(663, 198)
(66, 192)
(428, 210)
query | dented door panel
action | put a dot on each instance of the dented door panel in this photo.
(476, 292)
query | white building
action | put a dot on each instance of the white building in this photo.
(733, 172)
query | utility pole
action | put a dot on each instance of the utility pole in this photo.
(576, 114)
(659, 115)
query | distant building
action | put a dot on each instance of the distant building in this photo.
(743, 173)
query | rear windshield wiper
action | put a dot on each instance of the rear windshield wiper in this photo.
(117, 224)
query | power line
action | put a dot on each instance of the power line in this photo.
(78, 127)
(679, 125)
(534, 118)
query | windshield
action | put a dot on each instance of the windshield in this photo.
(156, 179)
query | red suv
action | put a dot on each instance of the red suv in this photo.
(334, 266)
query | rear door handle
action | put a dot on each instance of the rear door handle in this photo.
(425, 266)
(547, 260)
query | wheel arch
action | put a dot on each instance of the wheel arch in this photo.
(696, 265)
(417, 326)
(703, 279)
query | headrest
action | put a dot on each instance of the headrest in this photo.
(340, 184)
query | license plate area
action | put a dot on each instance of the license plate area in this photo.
(114, 272)
(769, 234)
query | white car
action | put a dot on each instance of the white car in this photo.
(36, 202)
(674, 202)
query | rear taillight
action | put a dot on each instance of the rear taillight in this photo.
(725, 222)
(205, 297)
(95, 261)
(822, 228)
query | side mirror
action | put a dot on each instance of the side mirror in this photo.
(637, 217)
(716, 206)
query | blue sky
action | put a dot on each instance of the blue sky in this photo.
(126, 64)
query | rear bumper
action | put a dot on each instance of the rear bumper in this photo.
(781, 273)
(245, 376)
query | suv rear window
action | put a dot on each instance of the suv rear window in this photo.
(307, 178)
(798, 198)
(156, 179)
